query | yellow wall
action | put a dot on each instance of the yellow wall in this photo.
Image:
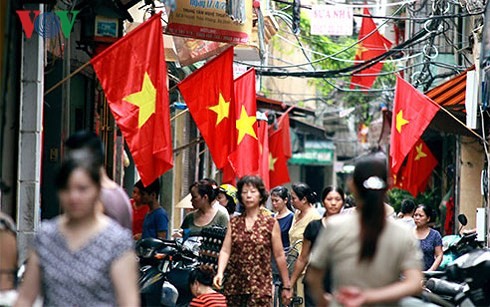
(283, 52)
(471, 165)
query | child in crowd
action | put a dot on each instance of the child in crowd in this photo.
(200, 281)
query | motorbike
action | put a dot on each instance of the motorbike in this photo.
(165, 266)
(465, 282)
(454, 246)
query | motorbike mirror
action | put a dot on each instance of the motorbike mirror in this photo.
(462, 219)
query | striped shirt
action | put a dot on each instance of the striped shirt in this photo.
(209, 300)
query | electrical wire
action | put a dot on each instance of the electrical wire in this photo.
(347, 47)
(351, 69)
(425, 18)
(335, 87)
(353, 5)
(430, 50)
(456, 69)
(357, 90)
(340, 59)
(330, 56)
(422, 6)
(402, 3)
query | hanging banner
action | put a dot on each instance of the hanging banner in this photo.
(331, 20)
(207, 20)
(191, 50)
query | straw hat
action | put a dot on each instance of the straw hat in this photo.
(185, 203)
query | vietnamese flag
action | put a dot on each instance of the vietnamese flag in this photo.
(420, 164)
(414, 174)
(263, 136)
(228, 175)
(133, 74)
(245, 159)
(412, 113)
(372, 46)
(208, 93)
(399, 179)
(283, 123)
(278, 168)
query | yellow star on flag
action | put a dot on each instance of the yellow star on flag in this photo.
(272, 161)
(360, 50)
(420, 153)
(245, 125)
(144, 99)
(222, 109)
(400, 121)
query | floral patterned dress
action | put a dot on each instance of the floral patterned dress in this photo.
(249, 269)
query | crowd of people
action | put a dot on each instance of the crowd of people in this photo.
(86, 254)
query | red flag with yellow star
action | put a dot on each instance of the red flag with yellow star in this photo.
(245, 159)
(371, 46)
(228, 175)
(283, 123)
(278, 168)
(413, 176)
(134, 80)
(412, 113)
(208, 93)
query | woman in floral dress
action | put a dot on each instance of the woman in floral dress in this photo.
(244, 263)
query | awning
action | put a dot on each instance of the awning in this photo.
(316, 153)
(451, 94)
(276, 105)
(304, 127)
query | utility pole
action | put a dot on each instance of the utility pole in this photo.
(29, 141)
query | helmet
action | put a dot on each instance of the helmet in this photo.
(147, 247)
(229, 191)
(169, 294)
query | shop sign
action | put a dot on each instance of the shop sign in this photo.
(207, 20)
(331, 20)
(315, 153)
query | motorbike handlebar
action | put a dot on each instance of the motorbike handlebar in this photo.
(444, 287)
(430, 274)
(468, 237)
(427, 296)
(187, 258)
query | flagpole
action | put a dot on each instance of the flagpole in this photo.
(76, 71)
(191, 143)
(178, 115)
(79, 69)
(288, 110)
(458, 120)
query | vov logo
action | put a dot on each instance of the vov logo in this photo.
(47, 24)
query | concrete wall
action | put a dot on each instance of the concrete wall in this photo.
(294, 173)
(471, 165)
(284, 51)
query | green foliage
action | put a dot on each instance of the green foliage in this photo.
(396, 196)
(325, 45)
(429, 198)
